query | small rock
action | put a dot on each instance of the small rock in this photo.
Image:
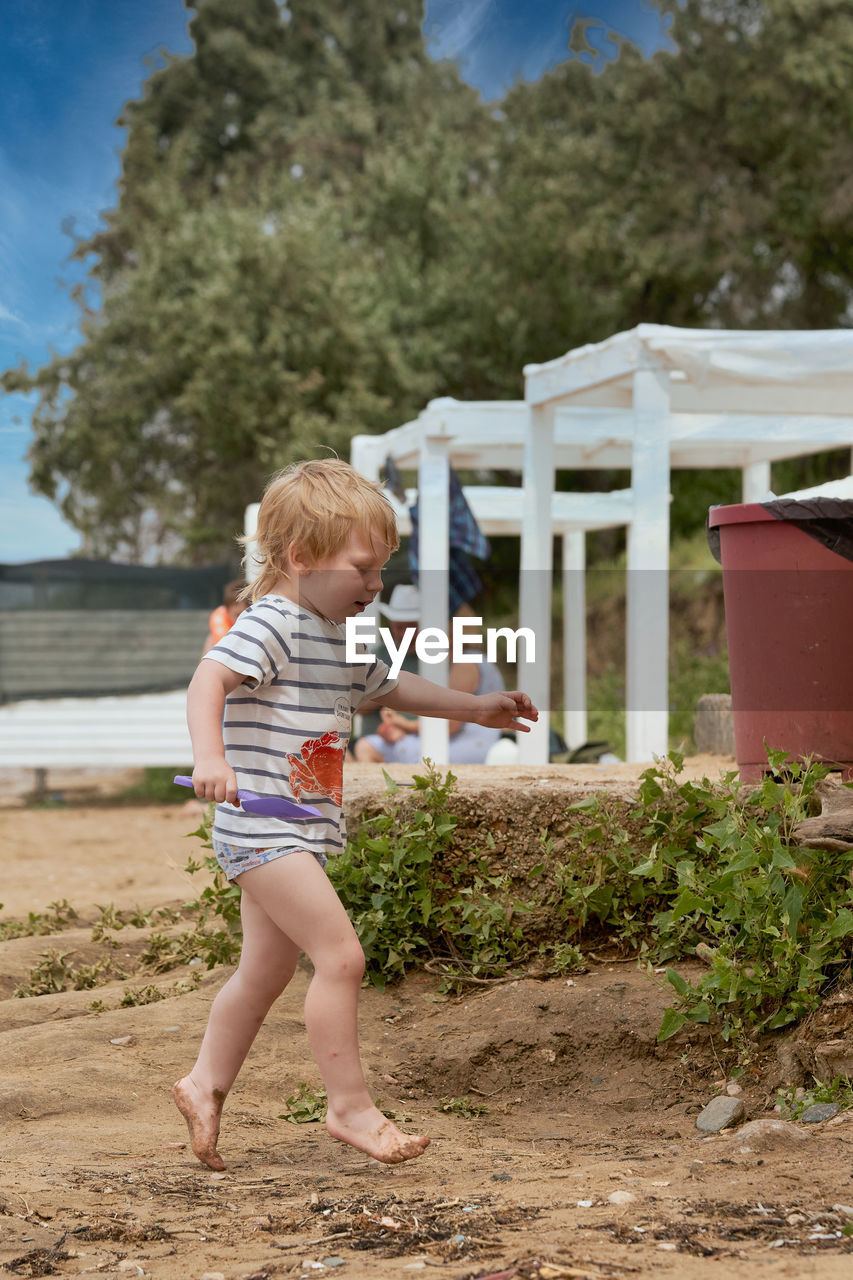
(217, 1177)
(501, 1177)
(212, 1275)
(334, 1262)
(585, 1204)
(667, 1248)
(129, 1266)
(170, 1028)
(733, 1089)
(796, 1219)
(719, 1113)
(176, 1146)
(621, 1197)
(820, 1111)
(762, 1135)
(122, 1040)
(846, 1210)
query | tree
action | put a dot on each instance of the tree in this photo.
(274, 277)
(319, 229)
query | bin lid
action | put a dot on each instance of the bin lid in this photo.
(827, 520)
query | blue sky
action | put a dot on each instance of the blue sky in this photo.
(67, 67)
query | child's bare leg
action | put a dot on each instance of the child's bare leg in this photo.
(300, 899)
(267, 962)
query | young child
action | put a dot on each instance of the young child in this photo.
(269, 709)
(222, 619)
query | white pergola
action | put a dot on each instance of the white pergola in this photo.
(645, 400)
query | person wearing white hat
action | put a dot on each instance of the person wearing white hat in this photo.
(404, 604)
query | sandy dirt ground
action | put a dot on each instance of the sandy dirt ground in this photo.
(578, 1103)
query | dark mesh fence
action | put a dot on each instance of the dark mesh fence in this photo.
(100, 584)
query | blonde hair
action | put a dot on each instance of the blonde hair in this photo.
(316, 505)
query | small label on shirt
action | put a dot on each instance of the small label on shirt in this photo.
(342, 712)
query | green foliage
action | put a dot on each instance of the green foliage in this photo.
(134, 996)
(59, 915)
(218, 904)
(463, 1107)
(54, 973)
(305, 1106)
(319, 229)
(156, 787)
(409, 900)
(703, 869)
(793, 1102)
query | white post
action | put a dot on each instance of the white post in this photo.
(434, 559)
(647, 639)
(536, 569)
(755, 482)
(574, 637)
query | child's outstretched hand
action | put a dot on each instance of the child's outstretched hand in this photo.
(499, 710)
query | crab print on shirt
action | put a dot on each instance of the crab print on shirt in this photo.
(318, 769)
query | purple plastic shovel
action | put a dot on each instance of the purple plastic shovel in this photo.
(272, 806)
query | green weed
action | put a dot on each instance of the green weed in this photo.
(54, 973)
(839, 1090)
(710, 870)
(463, 1107)
(59, 915)
(305, 1106)
(410, 902)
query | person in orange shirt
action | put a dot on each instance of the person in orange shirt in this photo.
(222, 619)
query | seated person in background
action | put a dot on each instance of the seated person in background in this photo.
(396, 739)
(222, 619)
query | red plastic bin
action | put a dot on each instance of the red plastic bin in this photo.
(789, 625)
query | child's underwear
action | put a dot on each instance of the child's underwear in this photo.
(234, 859)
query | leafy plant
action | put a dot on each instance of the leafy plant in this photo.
(305, 1106)
(410, 901)
(134, 996)
(59, 915)
(793, 1102)
(218, 902)
(54, 973)
(710, 870)
(463, 1107)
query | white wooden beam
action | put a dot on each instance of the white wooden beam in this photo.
(755, 482)
(647, 638)
(433, 577)
(535, 586)
(574, 638)
(577, 371)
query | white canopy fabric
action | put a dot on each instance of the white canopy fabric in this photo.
(807, 357)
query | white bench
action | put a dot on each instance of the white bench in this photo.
(109, 733)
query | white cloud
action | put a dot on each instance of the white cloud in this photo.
(455, 27)
(9, 317)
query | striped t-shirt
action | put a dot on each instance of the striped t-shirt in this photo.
(286, 727)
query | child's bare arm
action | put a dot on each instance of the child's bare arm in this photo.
(421, 697)
(213, 777)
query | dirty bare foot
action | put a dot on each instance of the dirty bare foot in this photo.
(202, 1113)
(376, 1135)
